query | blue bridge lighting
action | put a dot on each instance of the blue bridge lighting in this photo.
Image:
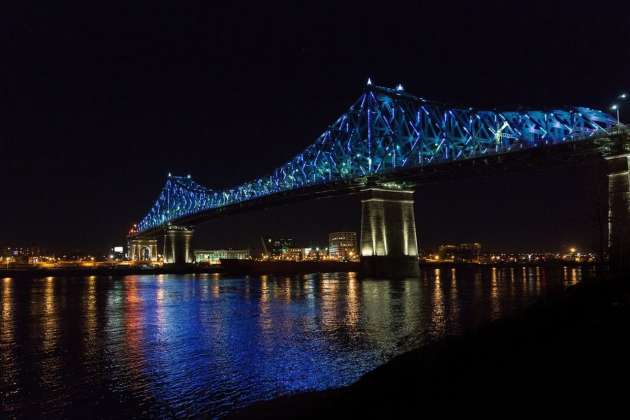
(386, 130)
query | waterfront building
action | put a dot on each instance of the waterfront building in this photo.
(315, 253)
(20, 254)
(466, 252)
(293, 254)
(214, 256)
(343, 245)
(277, 248)
(117, 253)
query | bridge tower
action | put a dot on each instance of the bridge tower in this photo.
(389, 246)
(177, 247)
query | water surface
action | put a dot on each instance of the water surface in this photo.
(177, 345)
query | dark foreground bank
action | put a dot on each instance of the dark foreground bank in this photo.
(567, 355)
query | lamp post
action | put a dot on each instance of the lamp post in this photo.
(617, 107)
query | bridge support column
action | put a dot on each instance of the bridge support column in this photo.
(177, 246)
(619, 212)
(389, 246)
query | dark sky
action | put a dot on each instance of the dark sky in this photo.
(101, 102)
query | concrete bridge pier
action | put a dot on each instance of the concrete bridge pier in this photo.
(389, 246)
(177, 245)
(619, 212)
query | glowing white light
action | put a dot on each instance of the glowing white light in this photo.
(400, 87)
(614, 107)
(369, 82)
(623, 96)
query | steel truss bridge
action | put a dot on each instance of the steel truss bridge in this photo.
(389, 135)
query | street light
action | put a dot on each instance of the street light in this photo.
(615, 107)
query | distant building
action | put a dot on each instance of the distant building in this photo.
(294, 254)
(343, 245)
(467, 252)
(277, 248)
(314, 253)
(117, 253)
(214, 256)
(20, 254)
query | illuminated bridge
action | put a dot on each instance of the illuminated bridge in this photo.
(386, 143)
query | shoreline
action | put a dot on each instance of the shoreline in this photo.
(287, 268)
(237, 267)
(560, 353)
(100, 271)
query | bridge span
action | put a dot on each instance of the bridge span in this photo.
(382, 148)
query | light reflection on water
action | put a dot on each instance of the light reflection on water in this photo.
(204, 344)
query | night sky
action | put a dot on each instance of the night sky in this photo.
(101, 102)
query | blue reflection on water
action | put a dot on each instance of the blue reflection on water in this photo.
(204, 344)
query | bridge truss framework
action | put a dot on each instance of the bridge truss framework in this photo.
(386, 132)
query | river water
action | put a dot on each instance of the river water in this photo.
(189, 345)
